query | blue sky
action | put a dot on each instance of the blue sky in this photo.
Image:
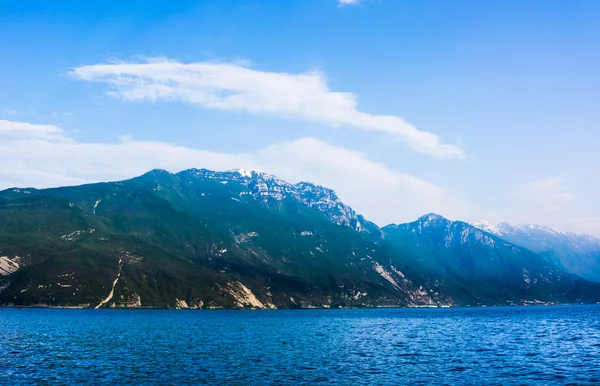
(476, 110)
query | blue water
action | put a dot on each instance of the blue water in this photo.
(511, 345)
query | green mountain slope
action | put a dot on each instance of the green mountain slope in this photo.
(481, 268)
(195, 239)
(204, 239)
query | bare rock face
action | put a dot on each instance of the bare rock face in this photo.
(9, 265)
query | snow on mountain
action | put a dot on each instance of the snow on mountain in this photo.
(449, 232)
(432, 219)
(269, 188)
(541, 233)
(577, 253)
(488, 227)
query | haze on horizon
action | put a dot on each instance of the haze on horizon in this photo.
(475, 111)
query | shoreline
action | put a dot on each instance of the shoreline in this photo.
(290, 309)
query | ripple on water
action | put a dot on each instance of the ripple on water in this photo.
(533, 345)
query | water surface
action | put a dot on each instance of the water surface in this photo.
(508, 345)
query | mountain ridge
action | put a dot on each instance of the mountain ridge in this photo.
(247, 239)
(578, 253)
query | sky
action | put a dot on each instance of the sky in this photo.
(476, 110)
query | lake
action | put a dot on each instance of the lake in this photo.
(494, 345)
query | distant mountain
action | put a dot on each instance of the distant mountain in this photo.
(479, 267)
(205, 239)
(576, 253)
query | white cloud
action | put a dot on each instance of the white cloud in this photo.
(15, 130)
(383, 195)
(549, 194)
(549, 202)
(45, 156)
(234, 87)
(348, 2)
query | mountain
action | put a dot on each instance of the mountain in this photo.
(481, 268)
(197, 238)
(205, 239)
(576, 253)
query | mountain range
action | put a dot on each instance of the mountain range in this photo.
(576, 253)
(247, 239)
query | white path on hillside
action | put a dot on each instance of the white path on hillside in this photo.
(112, 290)
(96, 205)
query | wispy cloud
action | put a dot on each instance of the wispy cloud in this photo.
(45, 155)
(549, 193)
(62, 114)
(10, 111)
(53, 114)
(11, 130)
(234, 87)
(348, 2)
